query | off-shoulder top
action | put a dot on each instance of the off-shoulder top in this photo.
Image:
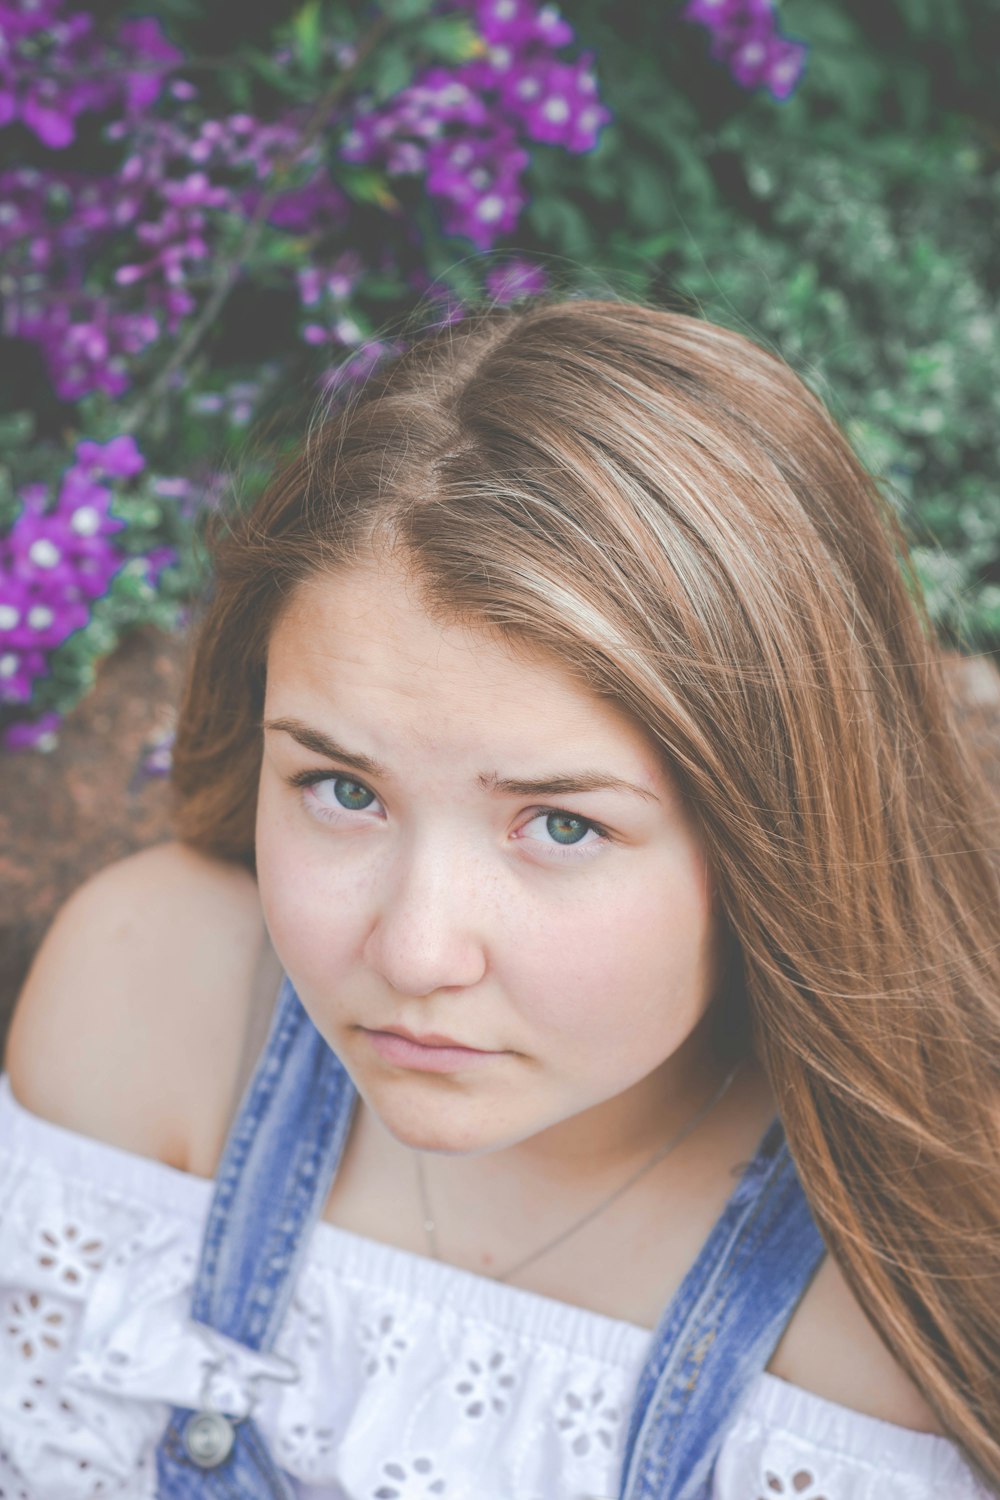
(395, 1377)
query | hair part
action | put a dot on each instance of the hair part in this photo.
(667, 510)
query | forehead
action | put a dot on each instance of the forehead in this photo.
(360, 644)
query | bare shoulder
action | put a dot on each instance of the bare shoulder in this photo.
(132, 1023)
(831, 1348)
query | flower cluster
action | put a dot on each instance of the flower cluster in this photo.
(324, 292)
(58, 558)
(162, 216)
(746, 38)
(186, 183)
(51, 225)
(54, 67)
(463, 129)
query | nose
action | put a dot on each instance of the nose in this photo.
(428, 930)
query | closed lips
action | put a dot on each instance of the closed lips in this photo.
(430, 1039)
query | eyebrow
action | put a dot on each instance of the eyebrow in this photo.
(511, 786)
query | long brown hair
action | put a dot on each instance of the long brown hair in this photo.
(666, 508)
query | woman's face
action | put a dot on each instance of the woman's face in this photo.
(567, 929)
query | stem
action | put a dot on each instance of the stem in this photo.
(229, 270)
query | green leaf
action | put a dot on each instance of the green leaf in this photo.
(406, 10)
(646, 189)
(384, 288)
(272, 73)
(913, 87)
(453, 39)
(656, 246)
(563, 225)
(366, 185)
(136, 511)
(17, 429)
(307, 36)
(239, 91)
(393, 65)
(281, 250)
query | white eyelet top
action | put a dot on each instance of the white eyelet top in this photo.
(395, 1377)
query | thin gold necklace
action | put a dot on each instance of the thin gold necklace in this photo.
(658, 1155)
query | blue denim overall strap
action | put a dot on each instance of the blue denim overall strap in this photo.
(280, 1158)
(720, 1329)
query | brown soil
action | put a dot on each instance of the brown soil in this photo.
(71, 811)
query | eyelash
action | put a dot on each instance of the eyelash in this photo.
(307, 779)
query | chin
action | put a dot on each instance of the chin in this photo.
(420, 1126)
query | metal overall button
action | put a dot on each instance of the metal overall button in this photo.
(208, 1438)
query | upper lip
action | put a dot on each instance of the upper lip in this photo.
(430, 1038)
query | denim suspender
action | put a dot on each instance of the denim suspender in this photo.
(280, 1159)
(720, 1329)
(715, 1336)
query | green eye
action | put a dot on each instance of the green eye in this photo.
(566, 829)
(351, 794)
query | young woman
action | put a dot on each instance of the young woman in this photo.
(559, 1055)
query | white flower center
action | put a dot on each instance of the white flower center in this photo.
(490, 209)
(44, 554)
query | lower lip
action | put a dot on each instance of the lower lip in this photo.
(407, 1054)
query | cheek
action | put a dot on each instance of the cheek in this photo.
(629, 967)
(308, 913)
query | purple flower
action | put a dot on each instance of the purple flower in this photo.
(746, 38)
(464, 128)
(54, 67)
(143, 42)
(516, 278)
(557, 102)
(39, 734)
(300, 210)
(518, 23)
(715, 14)
(84, 340)
(33, 615)
(785, 66)
(359, 364)
(120, 458)
(336, 281)
(54, 561)
(478, 181)
(157, 757)
(18, 673)
(40, 110)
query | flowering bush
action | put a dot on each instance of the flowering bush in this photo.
(197, 238)
(112, 254)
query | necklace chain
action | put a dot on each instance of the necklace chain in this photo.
(658, 1155)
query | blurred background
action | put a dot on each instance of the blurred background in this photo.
(210, 221)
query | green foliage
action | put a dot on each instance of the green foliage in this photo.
(852, 229)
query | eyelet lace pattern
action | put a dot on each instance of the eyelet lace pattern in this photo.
(394, 1377)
